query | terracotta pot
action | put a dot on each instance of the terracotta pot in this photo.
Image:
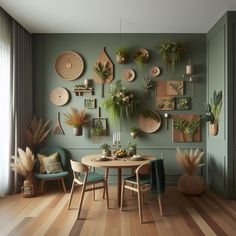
(213, 129)
(191, 184)
(120, 59)
(77, 131)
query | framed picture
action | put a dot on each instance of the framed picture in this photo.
(182, 103)
(99, 126)
(165, 103)
(186, 128)
(169, 88)
(90, 103)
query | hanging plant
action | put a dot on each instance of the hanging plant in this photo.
(171, 52)
(121, 103)
(121, 55)
(141, 56)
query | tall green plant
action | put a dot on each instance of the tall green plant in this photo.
(213, 109)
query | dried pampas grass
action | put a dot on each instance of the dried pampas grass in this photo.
(24, 164)
(37, 131)
(189, 160)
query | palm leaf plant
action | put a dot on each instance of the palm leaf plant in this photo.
(103, 71)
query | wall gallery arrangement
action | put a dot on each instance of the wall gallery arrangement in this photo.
(121, 103)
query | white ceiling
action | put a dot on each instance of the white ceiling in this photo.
(103, 16)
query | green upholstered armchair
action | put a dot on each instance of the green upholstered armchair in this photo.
(47, 151)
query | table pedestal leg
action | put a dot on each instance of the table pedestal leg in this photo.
(119, 185)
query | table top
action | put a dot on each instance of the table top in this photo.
(91, 160)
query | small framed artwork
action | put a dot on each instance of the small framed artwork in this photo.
(182, 103)
(175, 87)
(99, 126)
(186, 128)
(90, 103)
(165, 103)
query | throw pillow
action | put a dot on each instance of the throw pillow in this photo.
(52, 166)
(53, 156)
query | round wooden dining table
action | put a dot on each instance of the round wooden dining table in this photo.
(94, 161)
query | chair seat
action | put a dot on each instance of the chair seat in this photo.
(92, 177)
(51, 176)
(144, 179)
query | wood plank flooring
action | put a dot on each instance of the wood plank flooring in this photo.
(47, 214)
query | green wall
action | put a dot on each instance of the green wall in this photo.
(46, 48)
(221, 70)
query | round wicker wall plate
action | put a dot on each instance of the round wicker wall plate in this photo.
(128, 74)
(149, 125)
(59, 96)
(69, 65)
(154, 71)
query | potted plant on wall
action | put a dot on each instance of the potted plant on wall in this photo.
(213, 112)
(141, 56)
(133, 132)
(190, 161)
(121, 55)
(76, 119)
(171, 52)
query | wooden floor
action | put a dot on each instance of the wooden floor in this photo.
(184, 215)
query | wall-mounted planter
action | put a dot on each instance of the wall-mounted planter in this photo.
(77, 131)
(213, 129)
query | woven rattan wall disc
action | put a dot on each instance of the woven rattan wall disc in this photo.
(59, 96)
(69, 65)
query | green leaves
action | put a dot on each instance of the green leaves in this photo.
(102, 70)
(186, 126)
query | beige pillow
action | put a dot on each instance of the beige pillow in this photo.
(51, 166)
(53, 156)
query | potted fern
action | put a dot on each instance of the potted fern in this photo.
(106, 150)
(213, 111)
(190, 161)
(76, 119)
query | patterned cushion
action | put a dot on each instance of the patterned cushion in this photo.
(52, 165)
(54, 157)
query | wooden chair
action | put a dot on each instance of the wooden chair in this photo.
(90, 181)
(140, 182)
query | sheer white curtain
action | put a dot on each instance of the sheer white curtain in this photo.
(5, 101)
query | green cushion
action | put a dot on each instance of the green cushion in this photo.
(144, 179)
(92, 177)
(51, 176)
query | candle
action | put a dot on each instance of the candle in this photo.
(113, 139)
(86, 83)
(166, 115)
(189, 70)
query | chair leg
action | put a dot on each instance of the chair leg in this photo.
(94, 197)
(107, 195)
(81, 200)
(71, 194)
(42, 186)
(63, 184)
(122, 195)
(140, 206)
(106, 178)
(160, 203)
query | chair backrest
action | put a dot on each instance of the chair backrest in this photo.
(143, 169)
(48, 150)
(78, 167)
